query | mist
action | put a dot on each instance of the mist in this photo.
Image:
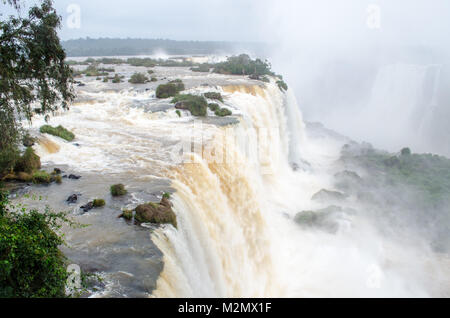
(375, 71)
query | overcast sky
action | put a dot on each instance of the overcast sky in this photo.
(417, 21)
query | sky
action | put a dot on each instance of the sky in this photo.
(420, 21)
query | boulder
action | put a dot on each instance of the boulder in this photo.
(161, 213)
(74, 177)
(327, 195)
(72, 199)
(87, 207)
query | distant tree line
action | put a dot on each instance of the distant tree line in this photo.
(120, 47)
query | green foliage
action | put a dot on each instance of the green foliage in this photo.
(170, 89)
(150, 72)
(41, 177)
(428, 174)
(116, 79)
(282, 85)
(178, 113)
(32, 70)
(406, 152)
(147, 62)
(214, 107)
(243, 65)
(31, 264)
(29, 162)
(214, 95)
(98, 203)
(138, 78)
(9, 156)
(92, 71)
(197, 105)
(223, 112)
(59, 131)
(205, 68)
(166, 195)
(153, 79)
(118, 190)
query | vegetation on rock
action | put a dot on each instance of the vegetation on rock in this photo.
(98, 203)
(118, 190)
(243, 65)
(170, 89)
(214, 95)
(138, 78)
(29, 162)
(59, 131)
(223, 112)
(197, 105)
(161, 213)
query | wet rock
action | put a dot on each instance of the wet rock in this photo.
(161, 213)
(87, 207)
(57, 171)
(74, 177)
(127, 215)
(324, 219)
(327, 195)
(81, 84)
(72, 199)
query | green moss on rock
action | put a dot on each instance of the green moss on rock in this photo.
(98, 203)
(29, 162)
(170, 89)
(118, 190)
(59, 131)
(197, 105)
(161, 213)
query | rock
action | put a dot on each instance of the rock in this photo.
(118, 190)
(127, 215)
(57, 171)
(161, 213)
(87, 207)
(74, 177)
(81, 84)
(72, 199)
(182, 106)
(98, 203)
(323, 219)
(327, 195)
(28, 141)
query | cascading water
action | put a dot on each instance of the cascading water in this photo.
(235, 200)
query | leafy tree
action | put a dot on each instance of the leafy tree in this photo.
(31, 264)
(32, 70)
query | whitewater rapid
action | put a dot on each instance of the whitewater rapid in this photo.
(236, 200)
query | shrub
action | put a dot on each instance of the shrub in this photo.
(282, 85)
(116, 79)
(166, 195)
(223, 112)
(150, 72)
(153, 79)
(243, 65)
(197, 105)
(214, 107)
(41, 177)
(406, 152)
(138, 78)
(118, 190)
(178, 113)
(9, 156)
(105, 80)
(214, 95)
(170, 89)
(59, 131)
(31, 264)
(29, 162)
(201, 68)
(98, 203)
